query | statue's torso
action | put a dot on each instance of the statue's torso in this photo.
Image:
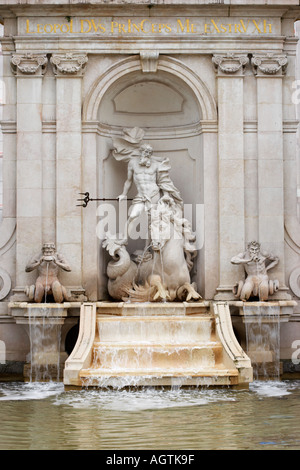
(256, 267)
(145, 179)
(48, 269)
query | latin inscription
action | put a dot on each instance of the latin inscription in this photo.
(150, 26)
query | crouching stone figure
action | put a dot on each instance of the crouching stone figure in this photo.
(47, 263)
(256, 265)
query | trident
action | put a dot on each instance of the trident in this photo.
(87, 199)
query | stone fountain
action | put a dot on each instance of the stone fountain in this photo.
(44, 315)
(261, 316)
(157, 330)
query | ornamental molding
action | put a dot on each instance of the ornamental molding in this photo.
(5, 284)
(294, 281)
(69, 64)
(230, 63)
(149, 61)
(269, 64)
(29, 64)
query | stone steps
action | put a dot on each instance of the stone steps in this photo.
(132, 378)
(120, 346)
(156, 347)
(209, 372)
(163, 356)
(155, 329)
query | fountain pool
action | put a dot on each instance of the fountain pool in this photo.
(44, 416)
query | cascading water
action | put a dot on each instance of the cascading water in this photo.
(45, 341)
(156, 347)
(262, 326)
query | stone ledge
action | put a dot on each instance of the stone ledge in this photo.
(152, 308)
(19, 311)
(263, 310)
(153, 3)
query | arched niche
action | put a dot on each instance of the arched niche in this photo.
(166, 109)
(173, 106)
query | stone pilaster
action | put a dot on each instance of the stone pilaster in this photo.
(230, 70)
(68, 69)
(90, 243)
(208, 258)
(29, 70)
(269, 70)
(9, 130)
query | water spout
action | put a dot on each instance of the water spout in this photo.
(46, 287)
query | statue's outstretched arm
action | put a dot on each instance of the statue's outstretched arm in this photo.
(33, 264)
(240, 259)
(61, 262)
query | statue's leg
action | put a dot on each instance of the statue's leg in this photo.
(136, 210)
(39, 292)
(247, 289)
(65, 293)
(263, 290)
(154, 226)
(57, 292)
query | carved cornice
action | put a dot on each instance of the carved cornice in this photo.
(230, 63)
(8, 127)
(69, 64)
(269, 64)
(192, 130)
(29, 64)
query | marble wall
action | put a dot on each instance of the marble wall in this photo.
(213, 88)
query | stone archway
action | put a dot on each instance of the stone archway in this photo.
(133, 63)
(191, 140)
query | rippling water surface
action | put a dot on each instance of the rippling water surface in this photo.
(45, 416)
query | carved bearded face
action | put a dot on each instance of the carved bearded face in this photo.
(254, 248)
(145, 158)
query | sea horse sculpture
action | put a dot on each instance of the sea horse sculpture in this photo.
(162, 271)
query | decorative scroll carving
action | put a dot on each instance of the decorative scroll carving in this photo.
(294, 281)
(269, 64)
(29, 64)
(149, 60)
(69, 63)
(5, 283)
(230, 63)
